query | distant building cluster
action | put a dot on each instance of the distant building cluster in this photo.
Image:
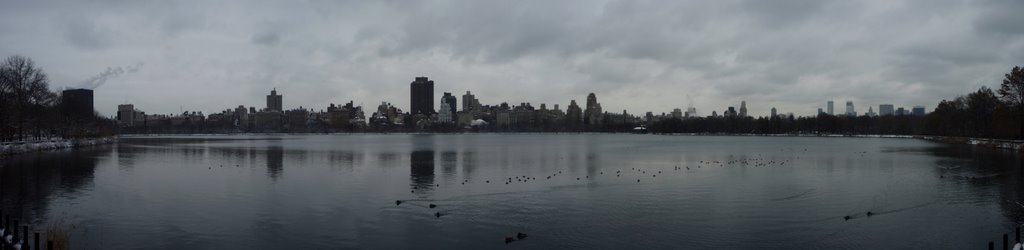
(450, 115)
(883, 110)
(272, 118)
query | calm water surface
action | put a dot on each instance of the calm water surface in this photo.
(633, 192)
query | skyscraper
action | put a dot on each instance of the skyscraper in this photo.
(918, 111)
(573, 114)
(469, 102)
(886, 109)
(849, 109)
(421, 95)
(445, 113)
(830, 110)
(773, 112)
(743, 108)
(691, 112)
(730, 112)
(274, 101)
(593, 113)
(449, 99)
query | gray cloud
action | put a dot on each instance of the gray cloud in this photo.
(85, 34)
(635, 55)
(267, 38)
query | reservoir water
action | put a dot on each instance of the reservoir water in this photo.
(576, 191)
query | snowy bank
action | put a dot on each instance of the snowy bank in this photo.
(12, 148)
(984, 142)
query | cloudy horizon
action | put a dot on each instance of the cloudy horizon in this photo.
(634, 55)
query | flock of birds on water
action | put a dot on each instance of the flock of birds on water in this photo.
(641, 172)
(743, 162)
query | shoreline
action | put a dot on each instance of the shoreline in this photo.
(984, 142)
(15, 148)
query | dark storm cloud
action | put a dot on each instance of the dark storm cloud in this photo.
(636, 55)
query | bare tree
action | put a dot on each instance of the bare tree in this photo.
(25, 90)
(1012, 93)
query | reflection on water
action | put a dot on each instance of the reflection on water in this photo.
(29, 182)
(421, 169)
(275, 161)
(231, 192)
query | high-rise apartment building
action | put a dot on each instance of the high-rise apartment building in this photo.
(274, 101)
(743, 108)
(849, 109)
(918, 111)
(830, 108)
(451, 101)
(421, 96)
(886, 109)
(469, 102)
(593, 114)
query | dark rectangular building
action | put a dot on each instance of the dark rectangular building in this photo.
(421, 93)
(77, 103)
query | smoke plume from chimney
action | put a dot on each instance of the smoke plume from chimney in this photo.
(98, 80)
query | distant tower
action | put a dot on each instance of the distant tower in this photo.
(849, 109)
(469, 102)
(773, 112)
(593, 113)
(421, 96)
(449, 99)
(445, 113)
(743, 108)
(830, 108)
(573, 114)
(691, 112)
(886, 109)
(274, 101)
(918, 111)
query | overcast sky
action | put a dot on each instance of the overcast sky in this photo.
(635, 55)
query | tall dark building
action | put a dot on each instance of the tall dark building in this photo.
(274, 101)
(421, 93)
(76, 103)
(573, 114)
(592, 115)
(451, 101)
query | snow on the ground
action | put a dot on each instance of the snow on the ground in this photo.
(11, 148)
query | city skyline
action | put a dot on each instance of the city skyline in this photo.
(674, 55)
(274, 102)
